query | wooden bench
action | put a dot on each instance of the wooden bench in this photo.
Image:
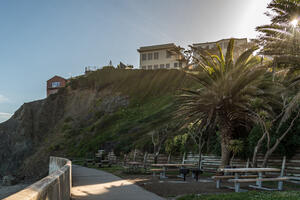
(258, 181)
(219, 178)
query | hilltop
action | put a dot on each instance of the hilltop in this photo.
(107, 109)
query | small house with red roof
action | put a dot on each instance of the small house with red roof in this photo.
(54, 83)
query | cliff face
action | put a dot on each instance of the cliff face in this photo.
(21, 135)
(112, 109)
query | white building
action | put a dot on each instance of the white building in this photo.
(160, 57)
(240, 45)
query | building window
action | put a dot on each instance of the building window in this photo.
(144, 67)
(55, 84)
(144, 56)
(180, 64)
(175, 65)
(150, 56)
(155, 66)
(168, 54)
(168, 66)
(156, 56)
(162, 66)
(149, 66)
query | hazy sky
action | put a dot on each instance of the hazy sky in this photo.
(40, 39)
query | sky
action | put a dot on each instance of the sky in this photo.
(40, 39)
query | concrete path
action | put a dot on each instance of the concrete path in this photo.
(92, 184)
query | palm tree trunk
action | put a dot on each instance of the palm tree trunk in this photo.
(226, 136)
(225, 157)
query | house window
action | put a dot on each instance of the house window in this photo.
(144, 67)
(168, 66)
(168, 54)
(150, 55)
(175, 65)
(55, 84)
(180, 64)
(156, 56)
(162, 66)
(144, 56)
(155, 66)
(149, 66)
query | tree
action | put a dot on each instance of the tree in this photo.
(281, 39)
(199, 134)
(182, 55)
(158, 138)
(279, 134)
(226, 90)
(176, 145)
(235, 146)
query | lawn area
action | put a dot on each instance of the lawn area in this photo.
(253, 195)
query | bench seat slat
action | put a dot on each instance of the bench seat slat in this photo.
(156, 170)
(256, 179)
(228, 177)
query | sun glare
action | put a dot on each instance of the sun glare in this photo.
(294, 22)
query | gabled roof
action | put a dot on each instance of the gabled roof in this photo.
(56, 77)
(156, 47)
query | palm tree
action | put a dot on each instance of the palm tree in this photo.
(226, 90)
(281, 39)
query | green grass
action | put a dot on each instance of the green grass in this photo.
(127, 127)
(253, 195)
(151, 95)
(140, 84)
(286, 185)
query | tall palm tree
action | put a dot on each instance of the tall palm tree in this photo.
(227, 89)
(281, 39)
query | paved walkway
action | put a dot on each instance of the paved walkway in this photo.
(92, 184)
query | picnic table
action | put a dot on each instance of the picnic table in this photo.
(166, 166)
(239, 178)
(133, 166)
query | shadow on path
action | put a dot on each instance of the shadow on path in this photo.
(92, 184)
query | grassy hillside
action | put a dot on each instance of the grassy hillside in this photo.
(113, 109)
(149, 97)
(106, 109)
(138, 84)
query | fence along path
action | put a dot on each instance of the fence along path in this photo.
(211, 163)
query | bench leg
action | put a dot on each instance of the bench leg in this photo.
(237, 187)
(161, 176)
(280, 185)
(258, 183)
(218, 184)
